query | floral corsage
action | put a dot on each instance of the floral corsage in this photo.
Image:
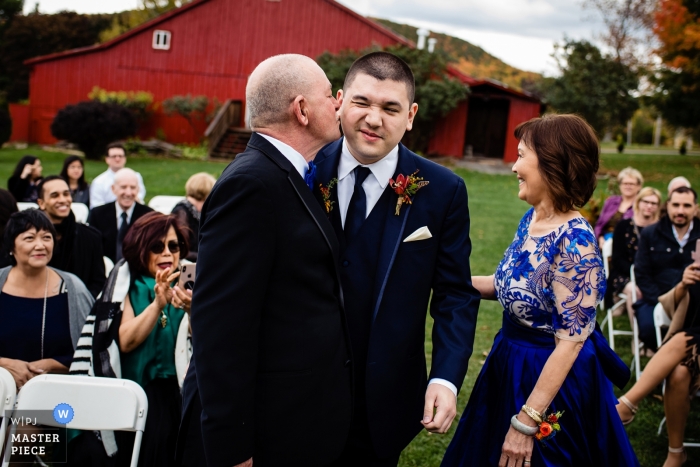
(549, 427)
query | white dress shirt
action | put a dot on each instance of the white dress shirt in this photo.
(682, 241)
(374, 185)
(291, 154)
(129, 212)
(101, 189)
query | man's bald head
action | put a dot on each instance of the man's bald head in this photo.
(273, 86)
(125, 174)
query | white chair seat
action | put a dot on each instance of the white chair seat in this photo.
(8, 390)
(164, 204)
(81, 212)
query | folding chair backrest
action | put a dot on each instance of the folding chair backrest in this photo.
(23, 205)
(97, 403)
(81, 212)
(164, 204)
(109, 265)
(661, 319)
(607, 254)
(8, 390)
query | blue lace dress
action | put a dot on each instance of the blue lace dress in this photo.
(549, 286)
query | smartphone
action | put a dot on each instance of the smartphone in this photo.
(696, 254)
(187, 276)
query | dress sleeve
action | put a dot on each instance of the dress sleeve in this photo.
(577, 282)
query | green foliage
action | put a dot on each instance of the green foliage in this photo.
(191, 108)
(138, 102)
(38, 34)
(678, 98)
(643, 127)
(126, 20)
(620, 140)
(593, 85)
(8, 10)
(437, 93)
(5, 122)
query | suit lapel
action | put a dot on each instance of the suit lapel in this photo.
(393, 231)
(326, 170)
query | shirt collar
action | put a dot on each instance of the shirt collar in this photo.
(128, 212)
(291, 154)
(382, 170)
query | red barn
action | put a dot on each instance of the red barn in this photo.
(210, 47)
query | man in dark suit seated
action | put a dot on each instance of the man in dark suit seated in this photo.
(78, 247)
(268, 327)
(114, 219)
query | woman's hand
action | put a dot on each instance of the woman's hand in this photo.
(164, 294)
(691, 275)
(182, 299)
(47, 365)
(517, 448)
(19, 369)
(26, 171)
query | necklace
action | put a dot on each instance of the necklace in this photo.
(163, 319)
(43, 315)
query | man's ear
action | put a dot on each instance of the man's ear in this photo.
(412, 111)
(41, 203)
(114, 190)
(340, 96)
(300, 108)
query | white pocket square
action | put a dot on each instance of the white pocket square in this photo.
(421, 234)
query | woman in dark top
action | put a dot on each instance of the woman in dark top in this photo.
(24, 180)
(188, 211)
(42, 310)
(8, 206)
(73, 172)
(625, 240)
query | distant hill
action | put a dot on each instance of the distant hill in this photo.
(471, 59)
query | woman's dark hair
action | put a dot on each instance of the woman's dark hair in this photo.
(22, 162)
(8, 206)
(568, 156)
(148, 230)
(19, 223)
(82, 184)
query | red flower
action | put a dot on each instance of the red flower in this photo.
(545, 429)
(399, 185)
(552, 418)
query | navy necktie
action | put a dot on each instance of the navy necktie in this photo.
(357, 209)
(121, 234)
(310, 175)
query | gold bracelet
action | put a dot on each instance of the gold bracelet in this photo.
(532, 413)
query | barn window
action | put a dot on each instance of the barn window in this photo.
(161, 39)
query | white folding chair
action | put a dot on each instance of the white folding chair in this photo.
(109, 265)
(97, 403)
(22, 206)
(661, 320)
(8, 390)
(607, 254)
(80, 211)
(164, 204)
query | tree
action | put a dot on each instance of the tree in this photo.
(92, 125)
(677, 26)
(8, 10)
(148, 10)
(628, 26)
(593, 85)
(5, 122)
(38, 34)
(437, 93)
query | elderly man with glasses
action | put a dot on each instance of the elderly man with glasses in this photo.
(101, 188)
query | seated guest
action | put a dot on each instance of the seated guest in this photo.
(8, 206)
(73, 172)
(677, 362)
(22, 184)
(664, 251)
(675, 182)
(77, 247)
(625, 240)
(114, 219)
(618, 207)
(101, 187)
(149, 326)
(42, 310)
(187, 211)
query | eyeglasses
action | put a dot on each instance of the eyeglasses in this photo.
(629, 184)
(650, 203)
(116, 156)
(158, 247)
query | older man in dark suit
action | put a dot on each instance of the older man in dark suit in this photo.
(268, 326)
(114, 219)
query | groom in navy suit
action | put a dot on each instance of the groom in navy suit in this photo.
(403, 227)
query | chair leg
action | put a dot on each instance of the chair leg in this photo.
(137, 449)
(661, 426)
(611, 329)
(635, 338)
(8, 446)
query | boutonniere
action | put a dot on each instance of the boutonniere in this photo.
(406, 187)
(326, 194)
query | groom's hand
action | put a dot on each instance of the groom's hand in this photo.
(440, 408)
(248, 463)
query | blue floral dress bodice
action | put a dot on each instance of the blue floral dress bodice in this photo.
(553, 283)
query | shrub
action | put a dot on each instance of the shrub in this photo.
(138, 102)
(189, 107)
(92, 125)
(5, 123)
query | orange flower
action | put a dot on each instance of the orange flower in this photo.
(545, 429)
(538, 435)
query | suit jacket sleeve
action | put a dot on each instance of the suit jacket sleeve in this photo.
(618, 261)
(235, 261)
(455, 301)
(97, 266)
(18, 187)
(642, 268)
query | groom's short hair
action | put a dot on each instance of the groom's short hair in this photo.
(382, 66)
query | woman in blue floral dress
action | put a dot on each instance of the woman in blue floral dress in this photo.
(544, 396)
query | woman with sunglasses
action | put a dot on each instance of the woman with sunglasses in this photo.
(153, 311)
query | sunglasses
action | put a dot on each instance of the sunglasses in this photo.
(158, 247)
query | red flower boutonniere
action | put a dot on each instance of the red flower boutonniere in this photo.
(406, 187)
(326, 195)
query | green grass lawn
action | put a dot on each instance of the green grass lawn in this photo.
(495, 213)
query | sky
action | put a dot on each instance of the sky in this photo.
(522, 33)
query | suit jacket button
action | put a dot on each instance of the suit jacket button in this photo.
(347, 363)
(346, 263)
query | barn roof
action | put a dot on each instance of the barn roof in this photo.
(475, 82)
(183, 9)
